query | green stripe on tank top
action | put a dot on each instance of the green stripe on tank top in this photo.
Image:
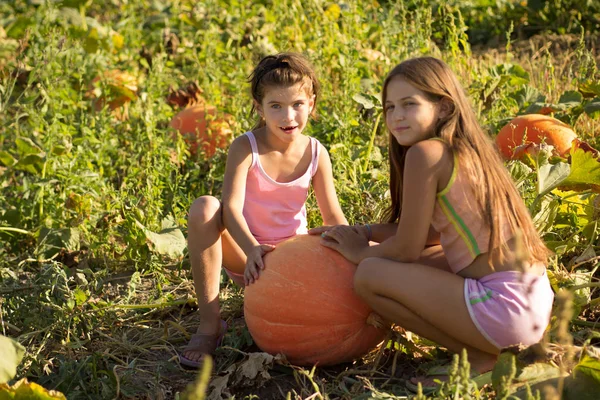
(461, 227)
(488, 295)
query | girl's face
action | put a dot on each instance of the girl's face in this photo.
(409, 115)
(286, 110)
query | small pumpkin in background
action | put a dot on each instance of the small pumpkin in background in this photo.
(303, 305)
(534, 128)
(201, 125)
(115, 89)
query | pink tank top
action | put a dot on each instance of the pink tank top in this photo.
(463, 232)
(276, 211)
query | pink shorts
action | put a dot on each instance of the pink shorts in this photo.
(510, 307)
(238, 279)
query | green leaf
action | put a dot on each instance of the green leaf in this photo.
(31, 163)
(581, 387)
(168, 242)
(590, 88)
(519, 171)
(17, 29)
(12, 353)
(59, 150)
(589, 364)
(528, 95)
(26, 146)
(76, 3)
(593, 108)
(512, 375)
(581, 296)
(24, 390)
(571, 98)
(80, 296)
(51, 241)
(551, 175)
(537, 372)
(585, 169)
(366, 100)
(117, 40)
(7, 159)
(73, 17)
(535, 108)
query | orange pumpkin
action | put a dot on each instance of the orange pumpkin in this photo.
(534, 128)
(303, 305)
(201, 125)
(114, 87)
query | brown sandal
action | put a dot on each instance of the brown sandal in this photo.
(205, 344)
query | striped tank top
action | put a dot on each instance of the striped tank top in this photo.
(464, 234)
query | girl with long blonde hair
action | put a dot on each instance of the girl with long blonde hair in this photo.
(459, 260)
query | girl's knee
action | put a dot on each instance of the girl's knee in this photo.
(204, 209)
(363, 277)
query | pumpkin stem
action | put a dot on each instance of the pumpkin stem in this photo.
(376, 321)
(188, 95)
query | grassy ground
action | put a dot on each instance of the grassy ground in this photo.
(94, 277)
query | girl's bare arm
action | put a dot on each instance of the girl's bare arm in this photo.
(239, 159)
(426, 163)
(325, 192)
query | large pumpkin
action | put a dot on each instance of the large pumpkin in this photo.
(201, 125)
(304, 306)
(534, 128)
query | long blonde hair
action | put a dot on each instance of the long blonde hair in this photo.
(283, 69)
(494, 190)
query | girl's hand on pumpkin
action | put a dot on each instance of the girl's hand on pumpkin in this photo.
(255, 263)
(347, 241)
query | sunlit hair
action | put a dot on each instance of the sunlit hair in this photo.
(283, 70)
(494, 190)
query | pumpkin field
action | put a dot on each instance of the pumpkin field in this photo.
(116, 114)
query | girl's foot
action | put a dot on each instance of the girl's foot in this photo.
(201, 344)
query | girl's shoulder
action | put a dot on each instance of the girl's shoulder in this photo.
(429, 152)
(241, 142)
(240, 148)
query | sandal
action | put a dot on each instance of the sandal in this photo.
(205, 344)
(444, 370)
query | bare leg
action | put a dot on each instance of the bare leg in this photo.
(427, 301)
(434, 256)
(205, 246)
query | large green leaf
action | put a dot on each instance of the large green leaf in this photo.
(570, 99)
(7, 159)
(593, 108)
(366, 100)
(24, 390)
(585, 170)
(26, 146)
(12, 353)
(563, 280)
(508, 366)
(589, 364)
(18, 27)
(168, 242)
(528, 95)
(52, 241)
(583, 384)
(552, 175)
(32, 163)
